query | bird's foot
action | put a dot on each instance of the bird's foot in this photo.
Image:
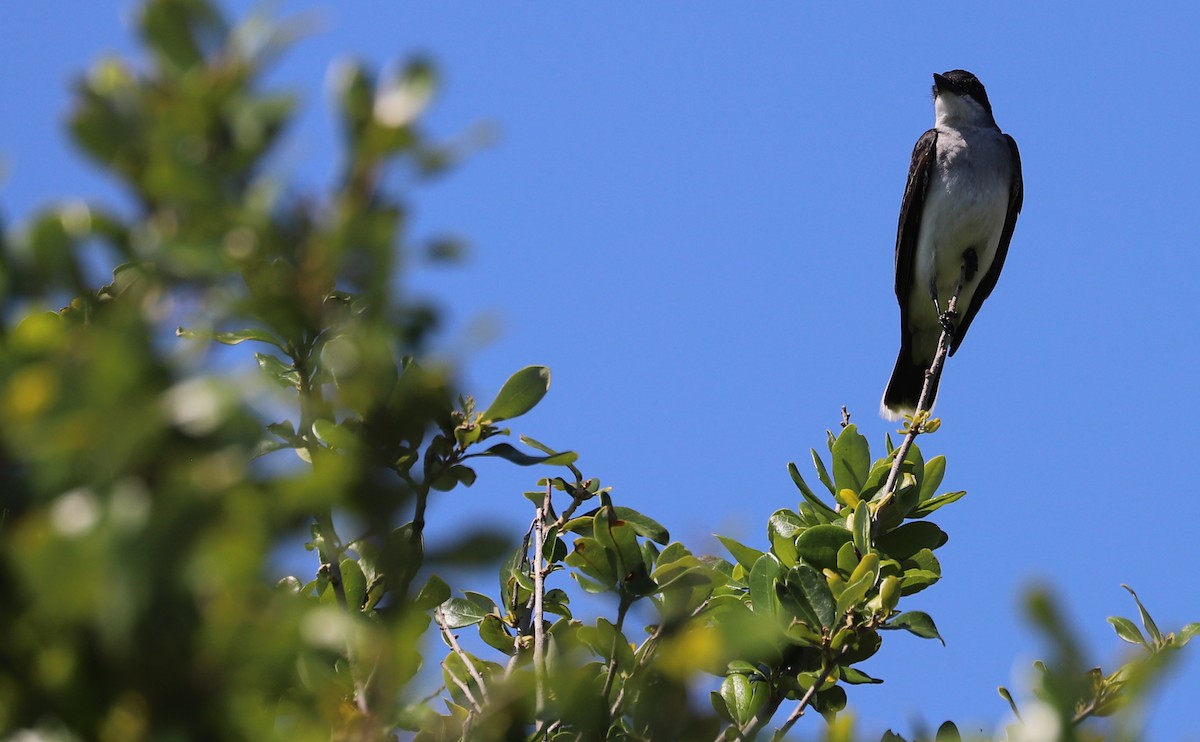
(949, 321)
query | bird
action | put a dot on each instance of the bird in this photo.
(961, 201)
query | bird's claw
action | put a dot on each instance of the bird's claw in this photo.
(947, 321)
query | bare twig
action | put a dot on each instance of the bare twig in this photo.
(539, 596)
(578, 496)
(932, 375)
(803, 704)
(457, 649)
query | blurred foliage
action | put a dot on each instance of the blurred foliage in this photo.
(146, 484)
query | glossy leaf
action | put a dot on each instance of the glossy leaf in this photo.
(1128, 631)
(763, 576)
(1147, 622)
(434, 593)
(1186, 633)
(904, 541)
(857, 677)
(235, 337)
(334, 435)
(598, 563)
(277, 371)
(510, 453)
(643, 525)
(918, 623)
(928, 506)
(822, 473)
(743, 555)
(520, 394)
(816, 591)
(935, 470)
(851, 459)
(781, 531)
(824, 512)
(818, 546)
(861, 533)
(494, 634)
(460, 612)
(743, 697)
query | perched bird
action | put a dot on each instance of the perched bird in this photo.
(960, 206)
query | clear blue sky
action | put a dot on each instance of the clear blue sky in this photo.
(689, 215)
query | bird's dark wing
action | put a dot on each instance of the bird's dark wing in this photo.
(1016, 197)
(909, 229)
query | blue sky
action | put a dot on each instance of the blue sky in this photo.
(689, 214)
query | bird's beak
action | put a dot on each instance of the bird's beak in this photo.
(939, 81)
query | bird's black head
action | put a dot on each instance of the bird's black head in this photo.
(961, 82)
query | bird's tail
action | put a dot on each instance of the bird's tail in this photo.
(904, 388)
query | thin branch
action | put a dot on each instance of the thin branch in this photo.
(803, 704)
(932, 375)
(622, 609)
(466, 689)
(647, 650)
(454, 645)
(578, 496)
(539, 596)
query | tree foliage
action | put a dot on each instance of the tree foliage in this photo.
(147, 477)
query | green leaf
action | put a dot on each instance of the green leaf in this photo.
(928, 506)
(510, 453)
(851, 459)
(825, 512)
(598, 563)
(906, 540)
(743, 697)
(948, 732)
(935, 470)
(861, 582)
(493, 633)
(763, 576)
(334, 435)
(1128, 631)
(277, 371)
(857, 677)
(819, 545)
(557, 601)
(847, 558)
(1186, 634)
(742, 554)
(604, 638)
(1147, 622)
(466, 611)
(1007, 696)
(434, 593)
(781, 531)
(822, 474)
(817, 592)
(916, 622)
(862, 527)
(830, 701)
(718, 704)
(520, 394)
(643, 525)
(916, 580)
(235, 337)
(920, 571)
(354, 583)
(619, 536)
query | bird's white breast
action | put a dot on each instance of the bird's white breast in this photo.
(965, 206)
